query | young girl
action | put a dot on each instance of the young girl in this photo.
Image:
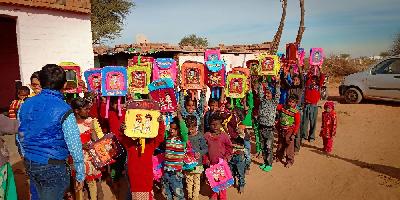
(139, 165)
(198, 145)
(81, 109)
(219, 146)
(328, 126)
(175, 147)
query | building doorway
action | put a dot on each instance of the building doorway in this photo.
(9, 61)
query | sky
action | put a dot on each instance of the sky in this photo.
(356, 27)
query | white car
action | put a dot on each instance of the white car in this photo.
(381, 81)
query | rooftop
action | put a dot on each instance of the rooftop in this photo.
(145, 48)
(79, 6)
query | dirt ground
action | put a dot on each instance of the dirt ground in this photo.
(365, 163)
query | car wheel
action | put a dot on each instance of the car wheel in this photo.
(352, 95)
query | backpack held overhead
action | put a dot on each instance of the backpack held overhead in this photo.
(73, 72)
(164, 68)
(141, 120)
(139, 78)
(114, 83)
(93, 79)
(215, 70)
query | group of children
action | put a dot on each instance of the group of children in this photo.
(286, 106)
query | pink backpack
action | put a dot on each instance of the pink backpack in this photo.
(300, 55)
(219, 176)
(158, 164)
(215, 71)
(164, 68)
(317, 56)
(114, 83)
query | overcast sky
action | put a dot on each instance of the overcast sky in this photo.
(358, 27)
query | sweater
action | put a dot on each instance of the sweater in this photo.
(313, 92)
(289, 118)
(199, 145)
(219, 146)
(175, 149)
(329, 123)
(267, 111)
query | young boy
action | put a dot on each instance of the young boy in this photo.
(267, 114)
(289, 123)
(219, 146)
(23, 93)
(214, 107)
(198, 145)
(175, 147)
(297, 88)
(311, 98)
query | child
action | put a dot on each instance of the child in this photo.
(22, 94)
(175, 147)
(35, 84)
(311, 98)
(139, 165)
(289, 123)
(297, 88)
(189, 106)
(267, 114)
(328, 126)
(81, 108)
(214, 107)
(219, 146)
(198, 145)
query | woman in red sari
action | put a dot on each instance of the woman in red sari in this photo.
(140, 165)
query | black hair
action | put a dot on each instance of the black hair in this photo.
(191, 120)
(314, 78)
(25, 89)
(189, 98)
(212, 100)
(240, 113)
(293, 97)
(52, 77)
(216, 117)
(35, 75)
(78, 103)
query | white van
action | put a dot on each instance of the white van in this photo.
(381, 81)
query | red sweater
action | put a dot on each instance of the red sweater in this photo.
(219, 146)
(140, 165)
(313, 92)
(297, 119)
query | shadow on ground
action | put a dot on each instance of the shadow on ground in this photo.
(382, 169)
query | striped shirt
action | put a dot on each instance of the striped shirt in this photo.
(174, 154)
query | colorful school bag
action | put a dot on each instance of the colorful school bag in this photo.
(140, 60)
(105, 151)
(158, 165)
(114, 83)
(139, 78)
(300, 55)
(189, 160)
(219, 176)
(244, 71)
(269, 65)
(163, 92)
(236, 85)
(253, 65)
(192, 74)
(291, 53)
(73, 73)
(141, 120)
(164, 68)
(215, 70)
(317, 56)
(93, 79)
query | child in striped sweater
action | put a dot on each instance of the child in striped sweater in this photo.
(175, 148)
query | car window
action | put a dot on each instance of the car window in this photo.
(391, 66)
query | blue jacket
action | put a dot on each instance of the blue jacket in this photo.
(40, 133)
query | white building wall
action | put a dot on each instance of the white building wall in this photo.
(49, 36)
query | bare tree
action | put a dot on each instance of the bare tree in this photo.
(278, 35)
(301, 26)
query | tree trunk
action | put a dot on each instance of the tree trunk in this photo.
(301, 26)
(278, 35)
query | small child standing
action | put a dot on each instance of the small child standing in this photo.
(266, 119)
(289, 123)
(81, 108)
(23, 93)
(175, 147)
(198, 145)
(219, 146)
(214, 107)
(328, 126)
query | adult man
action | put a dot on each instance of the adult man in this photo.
(48, 133)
